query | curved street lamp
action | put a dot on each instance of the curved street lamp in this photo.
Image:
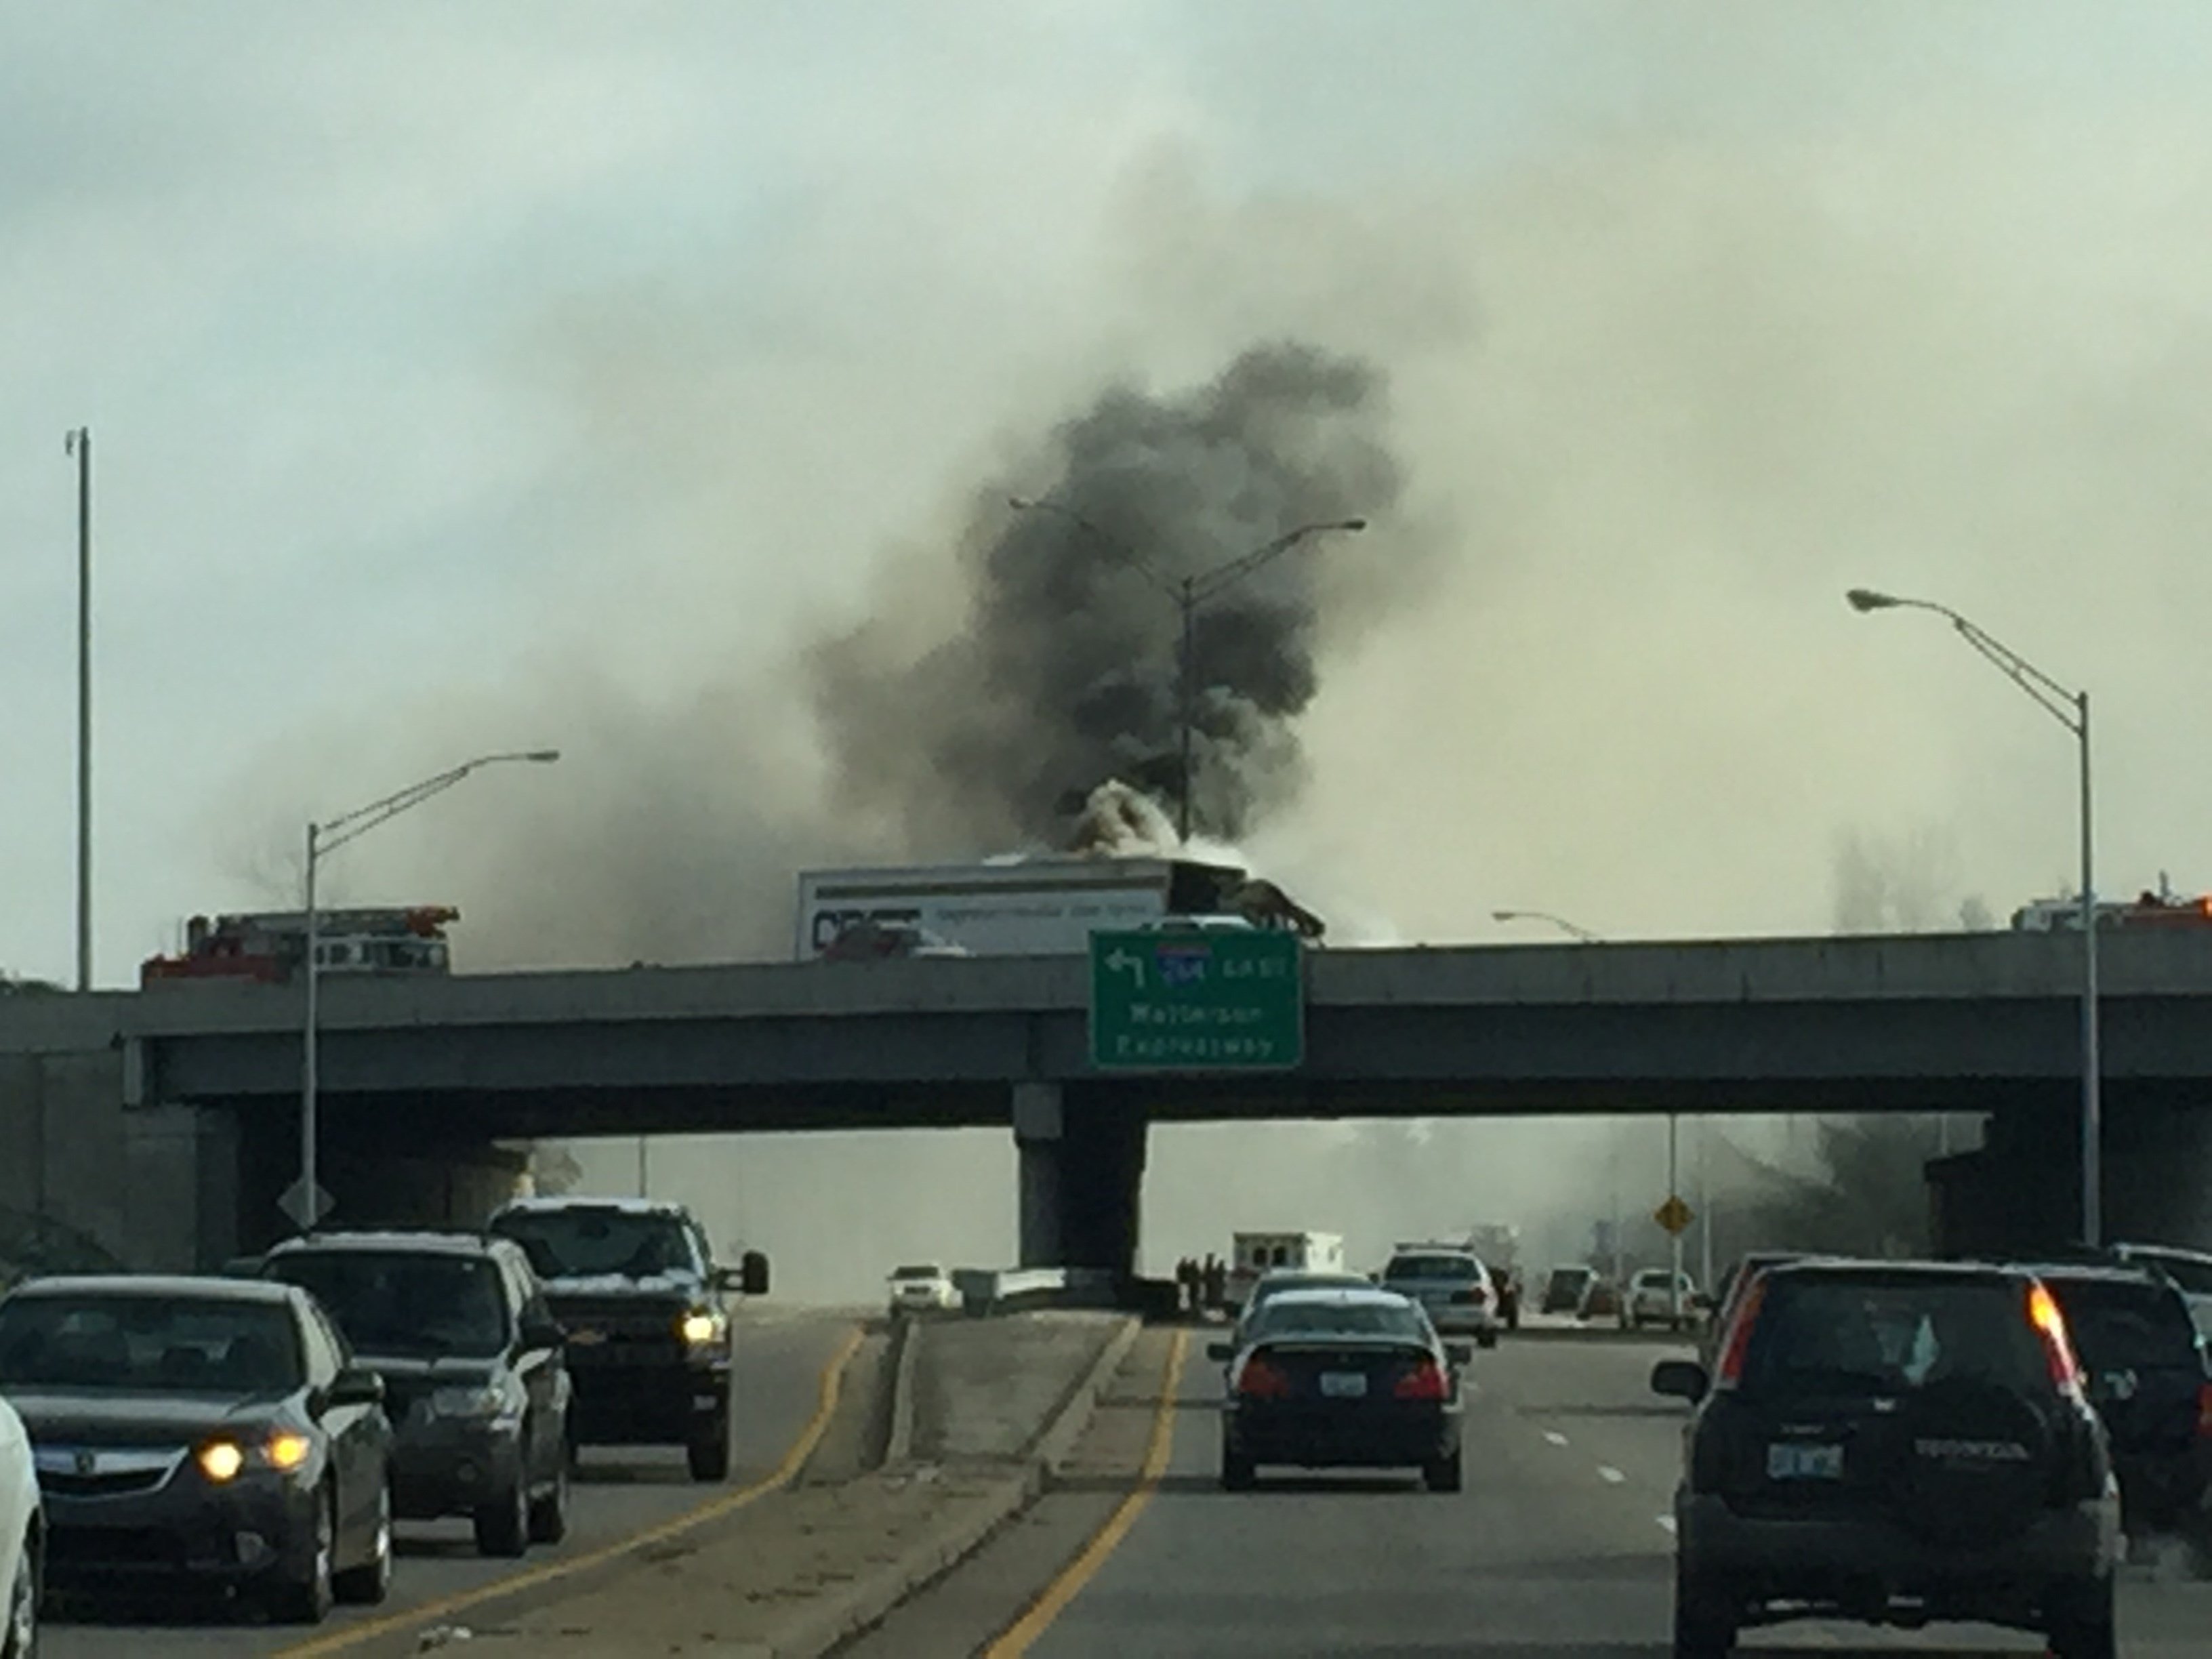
(1189, 593)
(1580, 934)
(328, 836)
(2070, 708)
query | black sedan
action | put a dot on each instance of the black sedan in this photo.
(212, 1430)
(1342, 1379)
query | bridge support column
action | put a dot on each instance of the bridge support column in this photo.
(1038, 1143)
(1103, 1180)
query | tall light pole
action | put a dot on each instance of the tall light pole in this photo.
(1190, 594)
(305, 1202)
(78, 442)
(1582, 935)
(2070, 708)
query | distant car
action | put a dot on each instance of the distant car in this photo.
(925, 1288)
(23, 1538)
(476, 1384)
(1452, 1286)
(1337, 1379)
(1269, 1286)
(1564, 1289)
(634, 1282)
(2145, 1366)
(1656, 1297)
(1893, 1443)
(210, 1429)
(1601, 1301)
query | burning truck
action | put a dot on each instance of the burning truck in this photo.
(1116, 875)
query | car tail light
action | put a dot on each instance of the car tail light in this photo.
(1739, 1334)
(1426, 1381)
(2051, 1327)
(1260, 1379)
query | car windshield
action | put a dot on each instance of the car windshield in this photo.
(1431, 1267)
(147, 1344)
(1888, 1336)
(2117, 1324)
(1282, 1319)
(397, 1303)
(594, 1243)
(919, 1272)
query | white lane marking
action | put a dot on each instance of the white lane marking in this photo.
(1555, 1436)
(1610, 1476)
(1666, 1522)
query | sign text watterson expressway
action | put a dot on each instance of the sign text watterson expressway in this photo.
(1202, 1000)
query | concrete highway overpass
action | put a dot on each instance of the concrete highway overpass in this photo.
(209, 1073)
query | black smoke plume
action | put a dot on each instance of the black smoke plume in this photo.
(1063, 670)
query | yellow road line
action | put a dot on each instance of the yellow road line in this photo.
(1079, 1572)
(831, 1384)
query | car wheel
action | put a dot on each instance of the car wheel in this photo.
(307, 1600)
(1444, 1473)
(371, 1582)
(709, 1453)
(1238, 1473)
(502, 1526)
(21, 1637)
(1705, 1620)
(1486, 1338)
(2082, 1622)
(549, 1511)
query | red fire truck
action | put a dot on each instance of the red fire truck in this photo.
(272, 945)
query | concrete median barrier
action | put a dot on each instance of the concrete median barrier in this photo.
(972, 1418)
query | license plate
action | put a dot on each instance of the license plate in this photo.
(1791, 1461)
(1343, 1385)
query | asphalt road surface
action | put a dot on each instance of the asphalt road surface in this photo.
(1559, 1548)
(781, 1359)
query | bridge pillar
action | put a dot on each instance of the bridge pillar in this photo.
(1038, 1143)
(1082, 1172)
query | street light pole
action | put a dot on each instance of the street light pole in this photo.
(78, 442)
(324, 838)
(2070, 708)
(1189, 594)
(1581, 935)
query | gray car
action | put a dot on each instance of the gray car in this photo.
(1451, 1285)
(476, 1384)
(1897, 1443)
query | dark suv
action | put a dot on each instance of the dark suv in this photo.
(647, 1317)
(2144, 1364)
(1897, 1443)
(474, 1378)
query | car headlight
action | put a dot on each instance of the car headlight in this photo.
(223, 1460)
(700, 1329)
(478, 1401)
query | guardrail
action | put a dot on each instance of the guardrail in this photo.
(988, 1291)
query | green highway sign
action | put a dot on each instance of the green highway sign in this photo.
(1197, 1000)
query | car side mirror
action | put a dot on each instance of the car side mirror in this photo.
(1460, 1353)
(1221, 1352)
(543, 1335)
(1701, 1302)
(1680, 1379)
(752, 1274)
(356, 1385)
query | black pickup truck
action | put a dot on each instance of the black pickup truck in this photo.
(646, 1312)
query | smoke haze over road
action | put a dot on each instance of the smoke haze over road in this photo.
(1640, 340)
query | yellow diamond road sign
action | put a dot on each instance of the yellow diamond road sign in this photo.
(1674, 1215)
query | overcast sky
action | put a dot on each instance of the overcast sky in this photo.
(539, 373)
(521, 373)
